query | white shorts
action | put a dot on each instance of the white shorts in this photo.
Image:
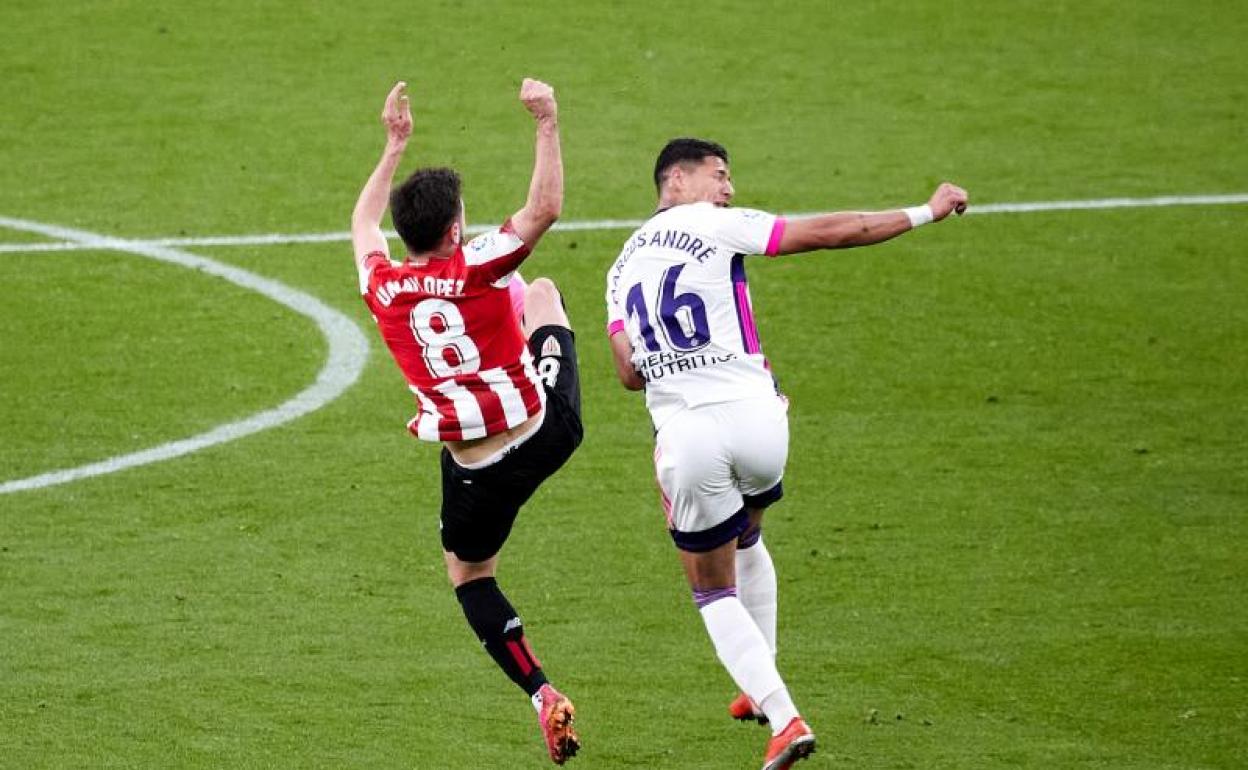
(713, 460)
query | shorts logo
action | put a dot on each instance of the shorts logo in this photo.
(511, 624)
(548, 370)
(551, 348)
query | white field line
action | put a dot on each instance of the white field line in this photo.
(348, 350)
(347, 345)
(275, 239)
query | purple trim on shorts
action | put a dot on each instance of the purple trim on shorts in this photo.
(709, 539)
(703, 597)
(765, 498)
(745, 314)
(749, 537)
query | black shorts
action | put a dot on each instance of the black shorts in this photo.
(479, 505)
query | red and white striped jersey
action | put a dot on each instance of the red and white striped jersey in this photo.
(451, 328)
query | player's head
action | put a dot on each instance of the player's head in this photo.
(427, 208)
(692, 170)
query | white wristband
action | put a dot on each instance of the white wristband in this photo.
(919, 215)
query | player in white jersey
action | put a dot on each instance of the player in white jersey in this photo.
(682, 328)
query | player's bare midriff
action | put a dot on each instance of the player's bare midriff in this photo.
(475, 450)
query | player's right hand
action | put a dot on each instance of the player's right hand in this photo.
(538, 98)
(396, 116)
(947, 199)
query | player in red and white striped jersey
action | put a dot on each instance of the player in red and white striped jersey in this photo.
(450, 326)
(499, 388)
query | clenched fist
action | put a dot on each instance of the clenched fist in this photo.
(539, 99)
(947, 199)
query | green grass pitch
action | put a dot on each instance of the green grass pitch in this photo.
(1015, 528)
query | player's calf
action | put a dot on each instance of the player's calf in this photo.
(498, 627)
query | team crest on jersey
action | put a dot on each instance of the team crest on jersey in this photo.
(551, 348)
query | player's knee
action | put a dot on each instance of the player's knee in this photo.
(460, 572)
(542, 291)
(543, 306)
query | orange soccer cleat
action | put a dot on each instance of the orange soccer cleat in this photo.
(556, 717)
(743, 709)
(794, 742)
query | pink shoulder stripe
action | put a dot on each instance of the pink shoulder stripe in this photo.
(777, 232)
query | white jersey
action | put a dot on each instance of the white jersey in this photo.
(678, 290)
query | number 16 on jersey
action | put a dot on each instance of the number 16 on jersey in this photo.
(682, 319)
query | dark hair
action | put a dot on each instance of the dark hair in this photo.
(424, 206)
(685, 150)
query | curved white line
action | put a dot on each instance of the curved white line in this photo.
(348, 350)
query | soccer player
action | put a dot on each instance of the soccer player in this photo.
(681, 327)
(503, 400)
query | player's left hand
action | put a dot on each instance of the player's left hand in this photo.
(538, 98)
(396, 116)
(947, 199)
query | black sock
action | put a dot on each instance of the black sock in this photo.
(498, 627)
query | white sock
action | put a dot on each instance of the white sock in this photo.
(779, 709)
(756, 586)
(745, 654)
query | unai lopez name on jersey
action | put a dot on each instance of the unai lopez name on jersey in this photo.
(441, 287)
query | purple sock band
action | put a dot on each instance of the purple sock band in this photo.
(705, 597)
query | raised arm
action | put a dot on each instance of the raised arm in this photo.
(545, 201)
(366, 234)
(846, 229)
